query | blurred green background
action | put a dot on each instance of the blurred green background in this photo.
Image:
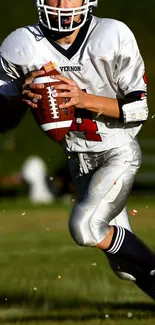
(45, 277)
(28, 139)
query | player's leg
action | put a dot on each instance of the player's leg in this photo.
(105, 198)
(124, 244)
(129, 271)
(120, 267)
(81, 182)
(107, 192)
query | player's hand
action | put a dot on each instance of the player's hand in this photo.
(28, 95)
(70, 90)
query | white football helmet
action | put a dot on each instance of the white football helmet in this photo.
(62, 14)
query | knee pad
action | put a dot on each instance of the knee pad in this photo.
(76, 232)
(87, 231)
(86, 228)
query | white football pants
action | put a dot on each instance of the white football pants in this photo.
(103, 181)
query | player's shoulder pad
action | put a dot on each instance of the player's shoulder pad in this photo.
(112, 29)
(19, 46)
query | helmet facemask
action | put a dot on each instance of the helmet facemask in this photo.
(63, 19)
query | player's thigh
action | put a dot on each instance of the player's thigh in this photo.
(111, 184)
(81, 183)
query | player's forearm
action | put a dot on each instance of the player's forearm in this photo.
(102, 105)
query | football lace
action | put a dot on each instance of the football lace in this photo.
(53, 103)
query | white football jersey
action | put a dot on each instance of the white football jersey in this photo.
(104, 60)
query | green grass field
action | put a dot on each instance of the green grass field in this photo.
(46, 278)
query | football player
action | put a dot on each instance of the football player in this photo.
(104, 78)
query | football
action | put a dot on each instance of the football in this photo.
(54, 121)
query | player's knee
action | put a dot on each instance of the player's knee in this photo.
(88, 231)
(80, 231)
(76, 232)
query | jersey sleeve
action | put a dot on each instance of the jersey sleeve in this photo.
(10, 79)
(16, 51)
(129, 65)
(12, 109)
(131, 80)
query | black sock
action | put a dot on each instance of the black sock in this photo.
(131, 249)
(144, 281)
